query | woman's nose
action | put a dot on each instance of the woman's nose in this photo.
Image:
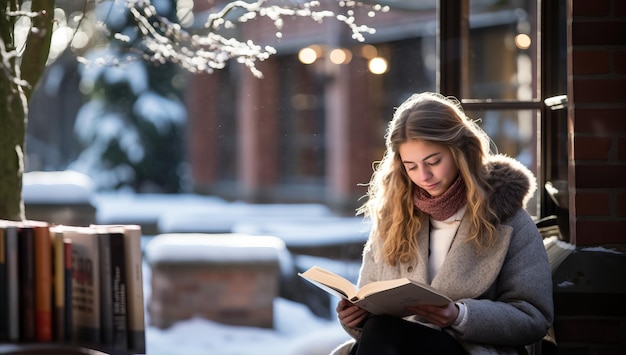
(425, 174)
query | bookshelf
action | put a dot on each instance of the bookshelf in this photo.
(46, 349)
(89, 302)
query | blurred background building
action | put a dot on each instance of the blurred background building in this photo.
(310, 129)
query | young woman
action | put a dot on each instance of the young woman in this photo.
(447, 213)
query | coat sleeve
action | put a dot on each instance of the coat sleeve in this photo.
(518, 308)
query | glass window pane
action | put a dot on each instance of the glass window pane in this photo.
(302, 129)
(513, 133)
(502, 50)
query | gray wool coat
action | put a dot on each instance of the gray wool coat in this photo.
(507, 289)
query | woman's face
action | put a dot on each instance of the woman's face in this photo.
(429, 165)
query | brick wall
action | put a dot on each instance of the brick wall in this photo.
(590, 285)
(597, 120)
(232, 293)
(228, 278)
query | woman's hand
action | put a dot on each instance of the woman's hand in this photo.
(441, 316)
(349, 314)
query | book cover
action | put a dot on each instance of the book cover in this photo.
(58, 284)
(13, 296)
(26, 279)
(106, 298)
(118, 289)
(68, 280)
(85, 284)
(382, 297)
(134, 287)
(43, 280)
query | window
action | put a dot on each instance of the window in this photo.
(489, 58)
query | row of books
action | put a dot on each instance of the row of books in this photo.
(71, 284)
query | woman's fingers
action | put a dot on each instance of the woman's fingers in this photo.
(349, 314)
(443, 316)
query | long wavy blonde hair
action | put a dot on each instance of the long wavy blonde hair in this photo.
(434, 118)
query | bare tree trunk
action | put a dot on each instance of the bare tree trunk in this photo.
(12, 126)
(15, 90)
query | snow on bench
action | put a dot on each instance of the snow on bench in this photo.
(60, 197)
(222, 218)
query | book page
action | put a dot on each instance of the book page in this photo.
(330, 282)
(378, 286)
(394, 300)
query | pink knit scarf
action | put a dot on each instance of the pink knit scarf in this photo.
(443, 206)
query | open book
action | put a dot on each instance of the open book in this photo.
(381, 297)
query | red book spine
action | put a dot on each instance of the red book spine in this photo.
(43, 284)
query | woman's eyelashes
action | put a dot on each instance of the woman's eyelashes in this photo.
(434, 162)
(412, 167)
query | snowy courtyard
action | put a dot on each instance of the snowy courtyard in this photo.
(296, 328)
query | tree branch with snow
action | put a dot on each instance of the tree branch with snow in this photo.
(164, 40)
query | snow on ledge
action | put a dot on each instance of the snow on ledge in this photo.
(213, 248)
(57, 187)
(125, 208)
(323, 231)
(222, 218)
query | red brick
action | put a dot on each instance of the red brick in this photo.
(572, 349)
(600, 176)
(621, 148)
(569, 304)
(619, 62)
(591, 62)
(588, 330)
(607, 90)
(619, 8)
(603, 351)
(598, 33)
(592, 148)
(591, 8)
(598, 120)
(599, 232)
(621, 204)
(592, 204)
(240, 293)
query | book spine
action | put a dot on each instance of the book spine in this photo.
(26, 283)
(4, 291)
(134, 289)
(85, 288)
(13, 296)
(106, 300)
(43, 284)
(118, 291)
(67, 270)
(58, 271)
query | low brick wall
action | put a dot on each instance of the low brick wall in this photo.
(228, 278)
(589, 308)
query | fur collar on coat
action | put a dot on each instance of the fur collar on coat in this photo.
(512, 183)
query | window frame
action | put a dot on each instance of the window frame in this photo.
(452, 71)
